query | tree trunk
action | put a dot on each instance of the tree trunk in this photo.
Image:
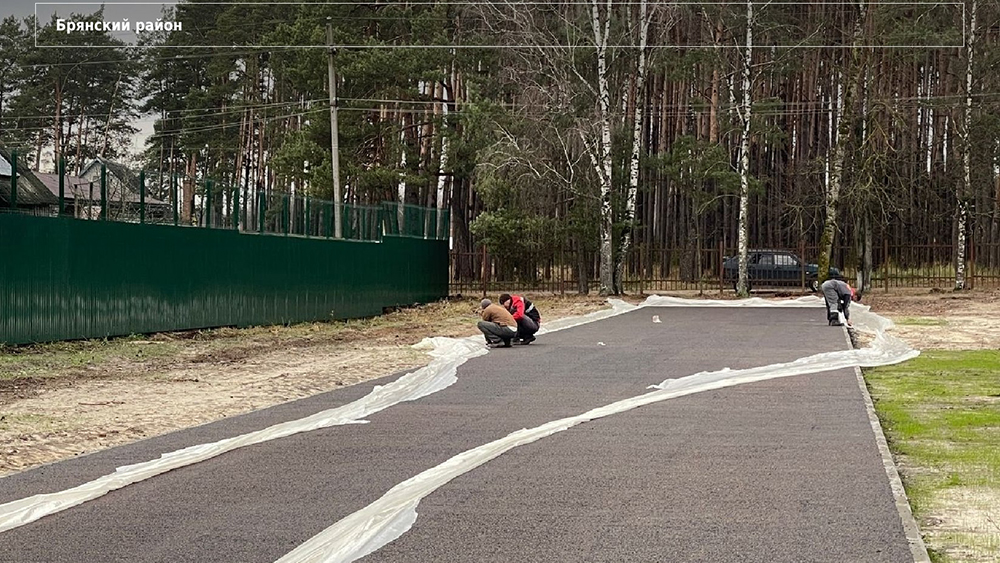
(845, 124)
(582, 271)
(964, 190)
(602, 163)
(742, 287)
(187, 210)
(442, 173)
(633, 169)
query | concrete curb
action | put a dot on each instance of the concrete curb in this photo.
(910, 528)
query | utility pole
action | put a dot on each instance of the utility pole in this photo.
(334, 133)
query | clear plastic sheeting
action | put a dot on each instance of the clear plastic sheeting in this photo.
(666, 301)
(617, 308)
(389, 517)
(448, 354)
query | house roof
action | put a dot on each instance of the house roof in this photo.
(30, 190)
(76, 187)
(116, 169)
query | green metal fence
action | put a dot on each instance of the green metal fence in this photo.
(113, 193)
(413, 220)
(64, 278)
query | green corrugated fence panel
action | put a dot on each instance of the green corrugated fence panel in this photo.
(414, 221)
(63, 278)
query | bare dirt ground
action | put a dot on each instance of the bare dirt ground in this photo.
(934, 319)
(66, 399)
(62, 400)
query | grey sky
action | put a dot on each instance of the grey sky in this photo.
(19, 8)
(24, 8)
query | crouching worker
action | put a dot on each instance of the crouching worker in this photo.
(838, 296)
(525, 315)
(497, 325)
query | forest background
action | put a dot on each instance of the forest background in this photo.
(607, 137)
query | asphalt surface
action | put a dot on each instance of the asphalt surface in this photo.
(775, 471)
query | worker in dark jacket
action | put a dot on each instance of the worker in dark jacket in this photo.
(525, 314)
(497, 325)
(838, 296)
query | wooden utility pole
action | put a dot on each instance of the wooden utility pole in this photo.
(334, 134)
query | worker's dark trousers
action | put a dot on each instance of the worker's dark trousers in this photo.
(526, 326)
(496, 332)
(831, 315)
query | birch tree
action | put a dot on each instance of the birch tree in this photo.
(964, 189)
(845, 125)
(742, 287)
(628, 216)
(601, 150)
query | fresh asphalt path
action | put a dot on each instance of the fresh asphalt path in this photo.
(784, 470)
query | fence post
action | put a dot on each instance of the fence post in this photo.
(173, 195)
(485, 272)
(104, 192)
(329, 218)
(562, 270)
(225, 207)
(142, 196)
(261, 211)
(802, 270)
(306, 222)
(13, 179)
(885, 264)
(208, 204)
(284, 214)
(62, 184)
(236, 208)
(722, 249)
(641, 254)
(971, 267)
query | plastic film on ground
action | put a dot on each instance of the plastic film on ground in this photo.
(448, 354)
(440, 373)
(389, 517)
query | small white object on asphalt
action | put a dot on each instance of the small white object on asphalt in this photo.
(600, 344)
(656, 318)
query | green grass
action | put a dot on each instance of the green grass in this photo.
(44, 360)
(922, 321)
(32, 422)
(153, 352)
(57, 358)
(941, 415)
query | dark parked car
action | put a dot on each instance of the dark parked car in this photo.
(774, 268)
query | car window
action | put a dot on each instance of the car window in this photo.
(785, 260)
(766, 259)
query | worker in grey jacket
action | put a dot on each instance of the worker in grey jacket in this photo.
(838, 296)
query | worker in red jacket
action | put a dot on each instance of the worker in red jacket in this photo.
(525, 314)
